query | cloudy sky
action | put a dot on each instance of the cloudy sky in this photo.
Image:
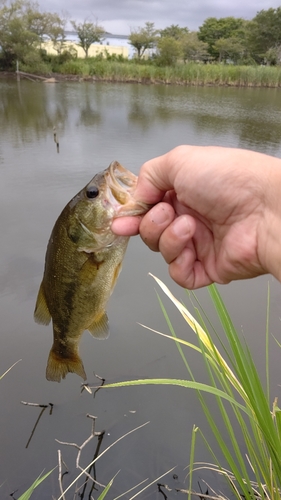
(118, 16)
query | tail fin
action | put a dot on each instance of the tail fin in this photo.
(58, 367)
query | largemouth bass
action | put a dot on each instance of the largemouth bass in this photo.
(82, 264)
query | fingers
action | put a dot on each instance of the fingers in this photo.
(184, 242)
(178, 246)
(126, 226)
(176, 237)
(154, 224)
(189, 272)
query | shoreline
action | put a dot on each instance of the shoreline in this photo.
(59, 77)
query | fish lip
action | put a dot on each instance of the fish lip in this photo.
(121, 185)
(120, 178)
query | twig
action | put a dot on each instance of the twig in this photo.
(100, 378)
(86, 387)
(100, 436)
(36, 423)
(82, 446)
(102, 453)
(89, 388)
(34, 404)
(38, 405)
(56, 139)
(160, 486)
(60, 474)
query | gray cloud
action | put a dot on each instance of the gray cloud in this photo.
(119, 16)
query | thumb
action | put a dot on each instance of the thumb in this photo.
(155, 179)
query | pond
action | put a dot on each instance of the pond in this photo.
(95, 124)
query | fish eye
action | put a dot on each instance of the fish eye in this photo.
(92, 192)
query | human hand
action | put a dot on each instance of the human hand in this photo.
(217, 215)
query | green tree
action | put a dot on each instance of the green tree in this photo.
(169, 50)
(16, 37)
(22, 28)
(143, 38)
(273, 56)
(213, 29)
(174, 31)
(230, 48)
(264, 32)
(194, 49)
(88, 33)
(56, 31)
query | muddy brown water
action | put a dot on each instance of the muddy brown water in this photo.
(95, 124)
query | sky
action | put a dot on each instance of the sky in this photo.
(119, 16)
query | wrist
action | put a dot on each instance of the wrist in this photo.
(270, 233)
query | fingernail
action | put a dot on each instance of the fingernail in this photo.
(158, 215)
(181, 226)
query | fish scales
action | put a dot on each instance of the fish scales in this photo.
(82, 264)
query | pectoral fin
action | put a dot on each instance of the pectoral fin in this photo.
(42, 313)
(100, 328)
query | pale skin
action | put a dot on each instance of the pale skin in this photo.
(217, 216)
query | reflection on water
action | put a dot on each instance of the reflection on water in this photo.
(250, 116)
(98, 123)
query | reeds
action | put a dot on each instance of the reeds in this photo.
(131, 70)
(181, 74)
(235, 383)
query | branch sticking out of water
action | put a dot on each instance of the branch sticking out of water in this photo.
(93, 434)
(38, 405)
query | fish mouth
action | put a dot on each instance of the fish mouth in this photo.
(122, 183)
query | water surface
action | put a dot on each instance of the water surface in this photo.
(97, 123)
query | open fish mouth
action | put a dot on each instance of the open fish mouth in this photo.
(122, 183)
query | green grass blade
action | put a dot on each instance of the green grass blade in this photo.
(107, 488)
(174, 334)
(267, 345)
(181, 383)
(191, 459)
(40, 478)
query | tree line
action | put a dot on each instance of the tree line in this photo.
(227, 39)
(24, 27)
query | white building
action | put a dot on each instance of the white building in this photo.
(109, 40)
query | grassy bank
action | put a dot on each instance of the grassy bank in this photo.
(246, 425)
(181, 74)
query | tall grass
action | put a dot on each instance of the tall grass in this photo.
(235, 383)
(142, 72)
(184, 74)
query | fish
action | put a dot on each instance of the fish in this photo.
(82, 264)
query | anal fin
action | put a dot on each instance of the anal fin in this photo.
(100, 327)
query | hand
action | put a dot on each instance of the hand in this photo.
(217, 216)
